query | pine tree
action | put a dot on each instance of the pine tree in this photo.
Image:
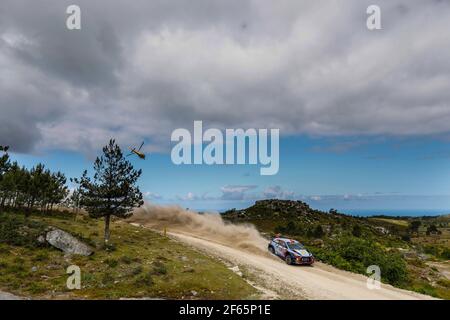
(4, 166)
(112, 191)
(30, 189)
(74, 199)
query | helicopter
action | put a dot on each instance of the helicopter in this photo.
(4, 148)
(137, 152)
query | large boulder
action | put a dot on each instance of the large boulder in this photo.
(67, 243)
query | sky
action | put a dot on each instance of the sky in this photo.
(364, 116)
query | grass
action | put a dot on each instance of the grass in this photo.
(397, 222)
(142, 264)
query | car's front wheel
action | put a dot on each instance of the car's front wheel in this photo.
(272, 250)
(288, 259)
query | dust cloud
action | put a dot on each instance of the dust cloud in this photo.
(208, 226)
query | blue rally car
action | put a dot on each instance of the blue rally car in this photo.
(292, 251)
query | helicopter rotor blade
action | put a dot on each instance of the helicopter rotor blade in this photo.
(141, 146)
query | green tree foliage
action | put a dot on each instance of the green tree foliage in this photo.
(357, 231)
(415, 225)
(432, 229)
(74, 199)
(4, 164)
(291, 229)
(37, 188)
(446, 253)
(356, 254)
(112, 191)
(318, 231)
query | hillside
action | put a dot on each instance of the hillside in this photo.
(139, 263)
(409, 257)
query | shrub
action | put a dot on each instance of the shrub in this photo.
(318, 232)
(41, 256)
(17, 231)
(159, 268)
(136, 271)
(145, 279)
(357, 231)
(112, 263)
(356, 254)
(444, 283)
(107, 279)
(126, 259)
(109, 247)
(446, 254)
(291, 228)
(406, 237)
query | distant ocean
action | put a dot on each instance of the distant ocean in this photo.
(396, 212)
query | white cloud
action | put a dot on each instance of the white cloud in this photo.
(276, 192)
(152, 195)
(236, 192)
(140, 71)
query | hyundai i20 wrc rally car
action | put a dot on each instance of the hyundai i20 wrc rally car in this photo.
(292, 251)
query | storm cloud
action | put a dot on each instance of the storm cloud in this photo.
(141, 69)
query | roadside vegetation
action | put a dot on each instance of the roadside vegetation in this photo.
(139, 263)
(136, 263)
(412, 253)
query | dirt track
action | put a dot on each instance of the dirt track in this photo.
(318, 282)
(242, 245)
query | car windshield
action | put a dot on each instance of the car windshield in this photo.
(295, 246)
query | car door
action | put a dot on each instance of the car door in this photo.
(276, 247)
(281, 248)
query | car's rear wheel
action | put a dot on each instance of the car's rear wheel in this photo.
(288, 259)
(272, 250)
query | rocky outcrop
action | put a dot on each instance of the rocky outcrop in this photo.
(382, 230)
(67, 243)
(274, 208)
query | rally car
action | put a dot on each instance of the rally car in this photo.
(292, 251)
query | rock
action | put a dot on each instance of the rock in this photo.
(67, 243)
(236, 270)
(194, 293)
(34, 269)
(382, 230)
(184, 258)
(41, 239)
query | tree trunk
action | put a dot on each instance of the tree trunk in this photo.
(107, 220)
